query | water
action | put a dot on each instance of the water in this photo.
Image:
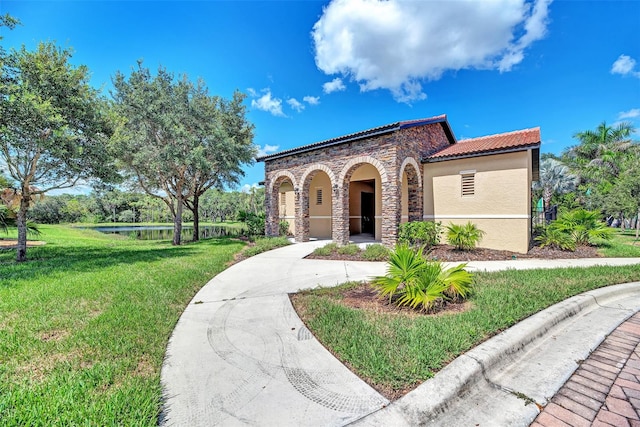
(164, 232)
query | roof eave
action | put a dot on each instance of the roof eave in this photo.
(482, 153)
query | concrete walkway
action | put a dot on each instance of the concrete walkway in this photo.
(240, 355)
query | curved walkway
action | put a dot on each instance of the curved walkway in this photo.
(240, 355)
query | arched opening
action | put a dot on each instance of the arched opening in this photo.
(316, 206)
(411, 193)
(281, 204)
(363, 198)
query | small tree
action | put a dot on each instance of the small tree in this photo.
(53, 127)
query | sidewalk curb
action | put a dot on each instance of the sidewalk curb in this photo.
(458, 378)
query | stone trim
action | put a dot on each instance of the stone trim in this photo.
(280, 174)
(361, 160)
(413, 162)
(318, 167)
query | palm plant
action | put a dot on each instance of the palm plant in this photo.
(600, 151)
(556, 238)
(412, 281)
(584, 226)
(555, 178)
(403, 267)
(464, 237)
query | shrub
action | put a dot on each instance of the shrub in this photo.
(415, 282)
(283, 228)
(376, 252)
(264, 244)
(326, 250)
(557, 239)
(350, 249)
(584, 226)
(464, 237)
(420, 233)
(254, 223)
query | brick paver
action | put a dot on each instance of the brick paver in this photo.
(605, 389)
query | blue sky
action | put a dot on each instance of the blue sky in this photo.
(317, 70)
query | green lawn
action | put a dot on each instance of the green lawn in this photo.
(623, 244)
(395, 352)
(85, 323)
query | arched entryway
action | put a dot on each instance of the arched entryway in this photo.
(411, 191)
(360, 194)
(280, 197)
(315, 204)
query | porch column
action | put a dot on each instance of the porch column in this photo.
(302, 215)
(391, 212)
(271, 212)
(340, 223)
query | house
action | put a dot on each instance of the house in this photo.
(369, 182)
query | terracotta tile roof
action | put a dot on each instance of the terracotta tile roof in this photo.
(363, 134)
(502, 142)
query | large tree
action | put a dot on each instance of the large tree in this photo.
(53, 127)
(177, 140)
(227, 143)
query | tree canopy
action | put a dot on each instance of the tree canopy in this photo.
(176, 140)
(53, 126)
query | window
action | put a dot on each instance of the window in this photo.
(468, 183)
(283, 203)
(318, 196)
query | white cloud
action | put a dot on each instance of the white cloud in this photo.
(625, 65)
(295, 104)
(268, 103)
(631, 114)
(247, 188)
(267, 149)
(334, 85)
(311, 100)
(395, 45)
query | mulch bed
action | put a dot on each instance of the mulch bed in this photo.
(449, 253)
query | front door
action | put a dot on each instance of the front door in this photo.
(368, 212)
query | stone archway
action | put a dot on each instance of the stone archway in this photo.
(411, 199)
(377, 173)
(272, 199)
(315, 204)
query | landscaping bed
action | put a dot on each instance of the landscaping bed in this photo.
(450, 253)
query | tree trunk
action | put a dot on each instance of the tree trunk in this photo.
(638, 225)
(196, 218)
(177, 222)
(21, 222)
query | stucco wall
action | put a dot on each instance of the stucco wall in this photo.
(320, 215)
(501, 203)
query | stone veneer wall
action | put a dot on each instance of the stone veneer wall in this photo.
(387, 152)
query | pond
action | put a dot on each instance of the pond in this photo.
(165, 232)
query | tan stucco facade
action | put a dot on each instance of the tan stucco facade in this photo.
(500, 204)
(370, 182)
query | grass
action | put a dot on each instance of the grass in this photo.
(85, 323)
(374, 252)
(623, 244)
(395, 352)
(264, 244)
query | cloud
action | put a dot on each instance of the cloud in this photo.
(295, 104)
(267, 103)
(247, 188)
(267, 149)
(631, 114)
(312, 100)
(334, 85)
(396, 45)
(625, 65)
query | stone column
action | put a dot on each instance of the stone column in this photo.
(340, 223)
(302, 215)
(271, 210)
(391, 212)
